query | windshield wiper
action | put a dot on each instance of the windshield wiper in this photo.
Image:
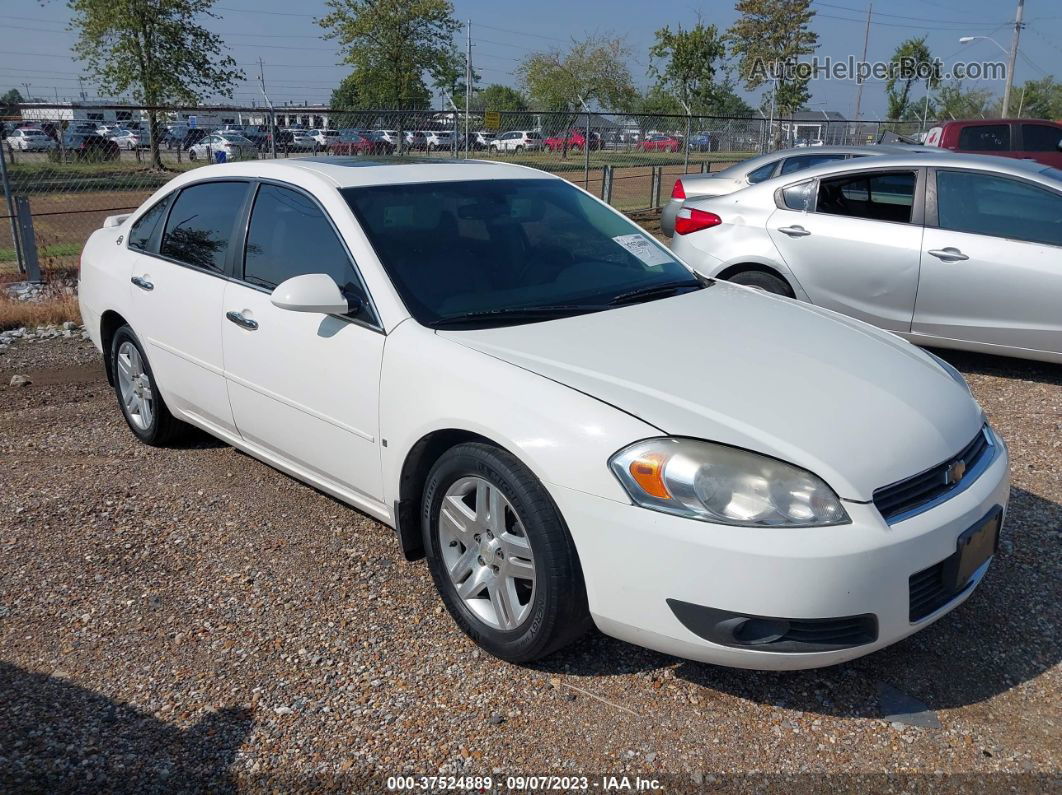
(518, 314)
(656, 291)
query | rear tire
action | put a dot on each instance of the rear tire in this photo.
(138, 394)
(763, 281)
(500, 554)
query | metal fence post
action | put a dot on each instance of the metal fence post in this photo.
(606, 184)
(686, 148)
(586, 156)
(654, 191)
(29, 241)
(10, 199)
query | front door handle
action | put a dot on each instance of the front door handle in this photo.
(794, 231)
(948, 254)
(243, 322)
(142, 283)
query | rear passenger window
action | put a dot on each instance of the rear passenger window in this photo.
(807, 161)
(201, 224)
(880, 197)
(144, 229)
(290, 236)
(1040, 138)
(985, 138)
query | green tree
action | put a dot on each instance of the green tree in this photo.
(396, 41)
(500, 98)
(9, 102)
(768, 40)
(367, 89)
(684, 64)
(591, 70)
(911, 63)
(953, 102)
(154, 49)
(1041, 99)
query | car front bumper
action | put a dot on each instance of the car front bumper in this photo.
(643, 568)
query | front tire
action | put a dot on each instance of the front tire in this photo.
(763, 281)
(138, 396)
(500, 554)
(191, 154)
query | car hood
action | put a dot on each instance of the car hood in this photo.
(858, 406)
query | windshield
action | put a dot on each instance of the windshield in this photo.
(454, 249)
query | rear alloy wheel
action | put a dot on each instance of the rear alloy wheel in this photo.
(766, 282)
(518, 149)
(138, 396)
(191, 154)
(500, 554)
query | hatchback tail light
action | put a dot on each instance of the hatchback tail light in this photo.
(678, 192)
(691, 220)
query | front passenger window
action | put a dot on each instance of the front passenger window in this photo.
(986, 204)
(290, 236)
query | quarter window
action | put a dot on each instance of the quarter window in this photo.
(880, 197)
(1040, 138)
(761, 173)
(144, 229)
(985, 138)
(797, 197)
(201, 224)
(290, 236)
(985, 204)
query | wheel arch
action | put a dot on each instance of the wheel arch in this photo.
(110, 322)
(744, 267)
(415, 467)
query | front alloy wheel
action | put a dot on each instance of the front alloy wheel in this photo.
(486, 553)
(501, 555)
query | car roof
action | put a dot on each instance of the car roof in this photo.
(347, 172)
(878, 150)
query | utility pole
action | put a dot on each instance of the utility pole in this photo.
(1013, 57)
(468, 82)
(859, 75)
(272, 118)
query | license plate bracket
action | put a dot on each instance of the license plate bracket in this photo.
(973, 547)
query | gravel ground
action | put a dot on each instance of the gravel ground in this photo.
(191, 618)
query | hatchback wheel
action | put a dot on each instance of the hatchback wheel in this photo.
(191, 154)
(138, 396)
(500, 554)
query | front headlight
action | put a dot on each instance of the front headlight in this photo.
(716, 483)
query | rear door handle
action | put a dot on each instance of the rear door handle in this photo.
(142, 283)
(243, 322)
(948, 254)
(794, 231)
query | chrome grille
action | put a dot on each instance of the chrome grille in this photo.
(908, 497)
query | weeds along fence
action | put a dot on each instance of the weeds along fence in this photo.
(95, 160)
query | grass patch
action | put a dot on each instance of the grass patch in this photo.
(54, 250)
(54, 310)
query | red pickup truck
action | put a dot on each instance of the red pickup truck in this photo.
(1025, 139)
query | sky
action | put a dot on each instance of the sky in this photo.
(300, 67)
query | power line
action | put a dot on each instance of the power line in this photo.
(904, 16)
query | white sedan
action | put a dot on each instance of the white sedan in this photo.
(232, 146)
(571, 425)
(28, 139)
(127, 139)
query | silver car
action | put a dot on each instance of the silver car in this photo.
(957, 251)
(759, 169)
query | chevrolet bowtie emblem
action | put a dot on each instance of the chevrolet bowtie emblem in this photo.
(956, 469)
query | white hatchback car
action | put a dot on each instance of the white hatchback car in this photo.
(232, 145)
(516, 378)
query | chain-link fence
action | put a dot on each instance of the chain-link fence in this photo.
(72, 165)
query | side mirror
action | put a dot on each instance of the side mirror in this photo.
(311, 292)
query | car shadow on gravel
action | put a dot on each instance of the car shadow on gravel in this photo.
(59, 737)
(1006, 633)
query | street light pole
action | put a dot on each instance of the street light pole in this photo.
(1013, 58)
